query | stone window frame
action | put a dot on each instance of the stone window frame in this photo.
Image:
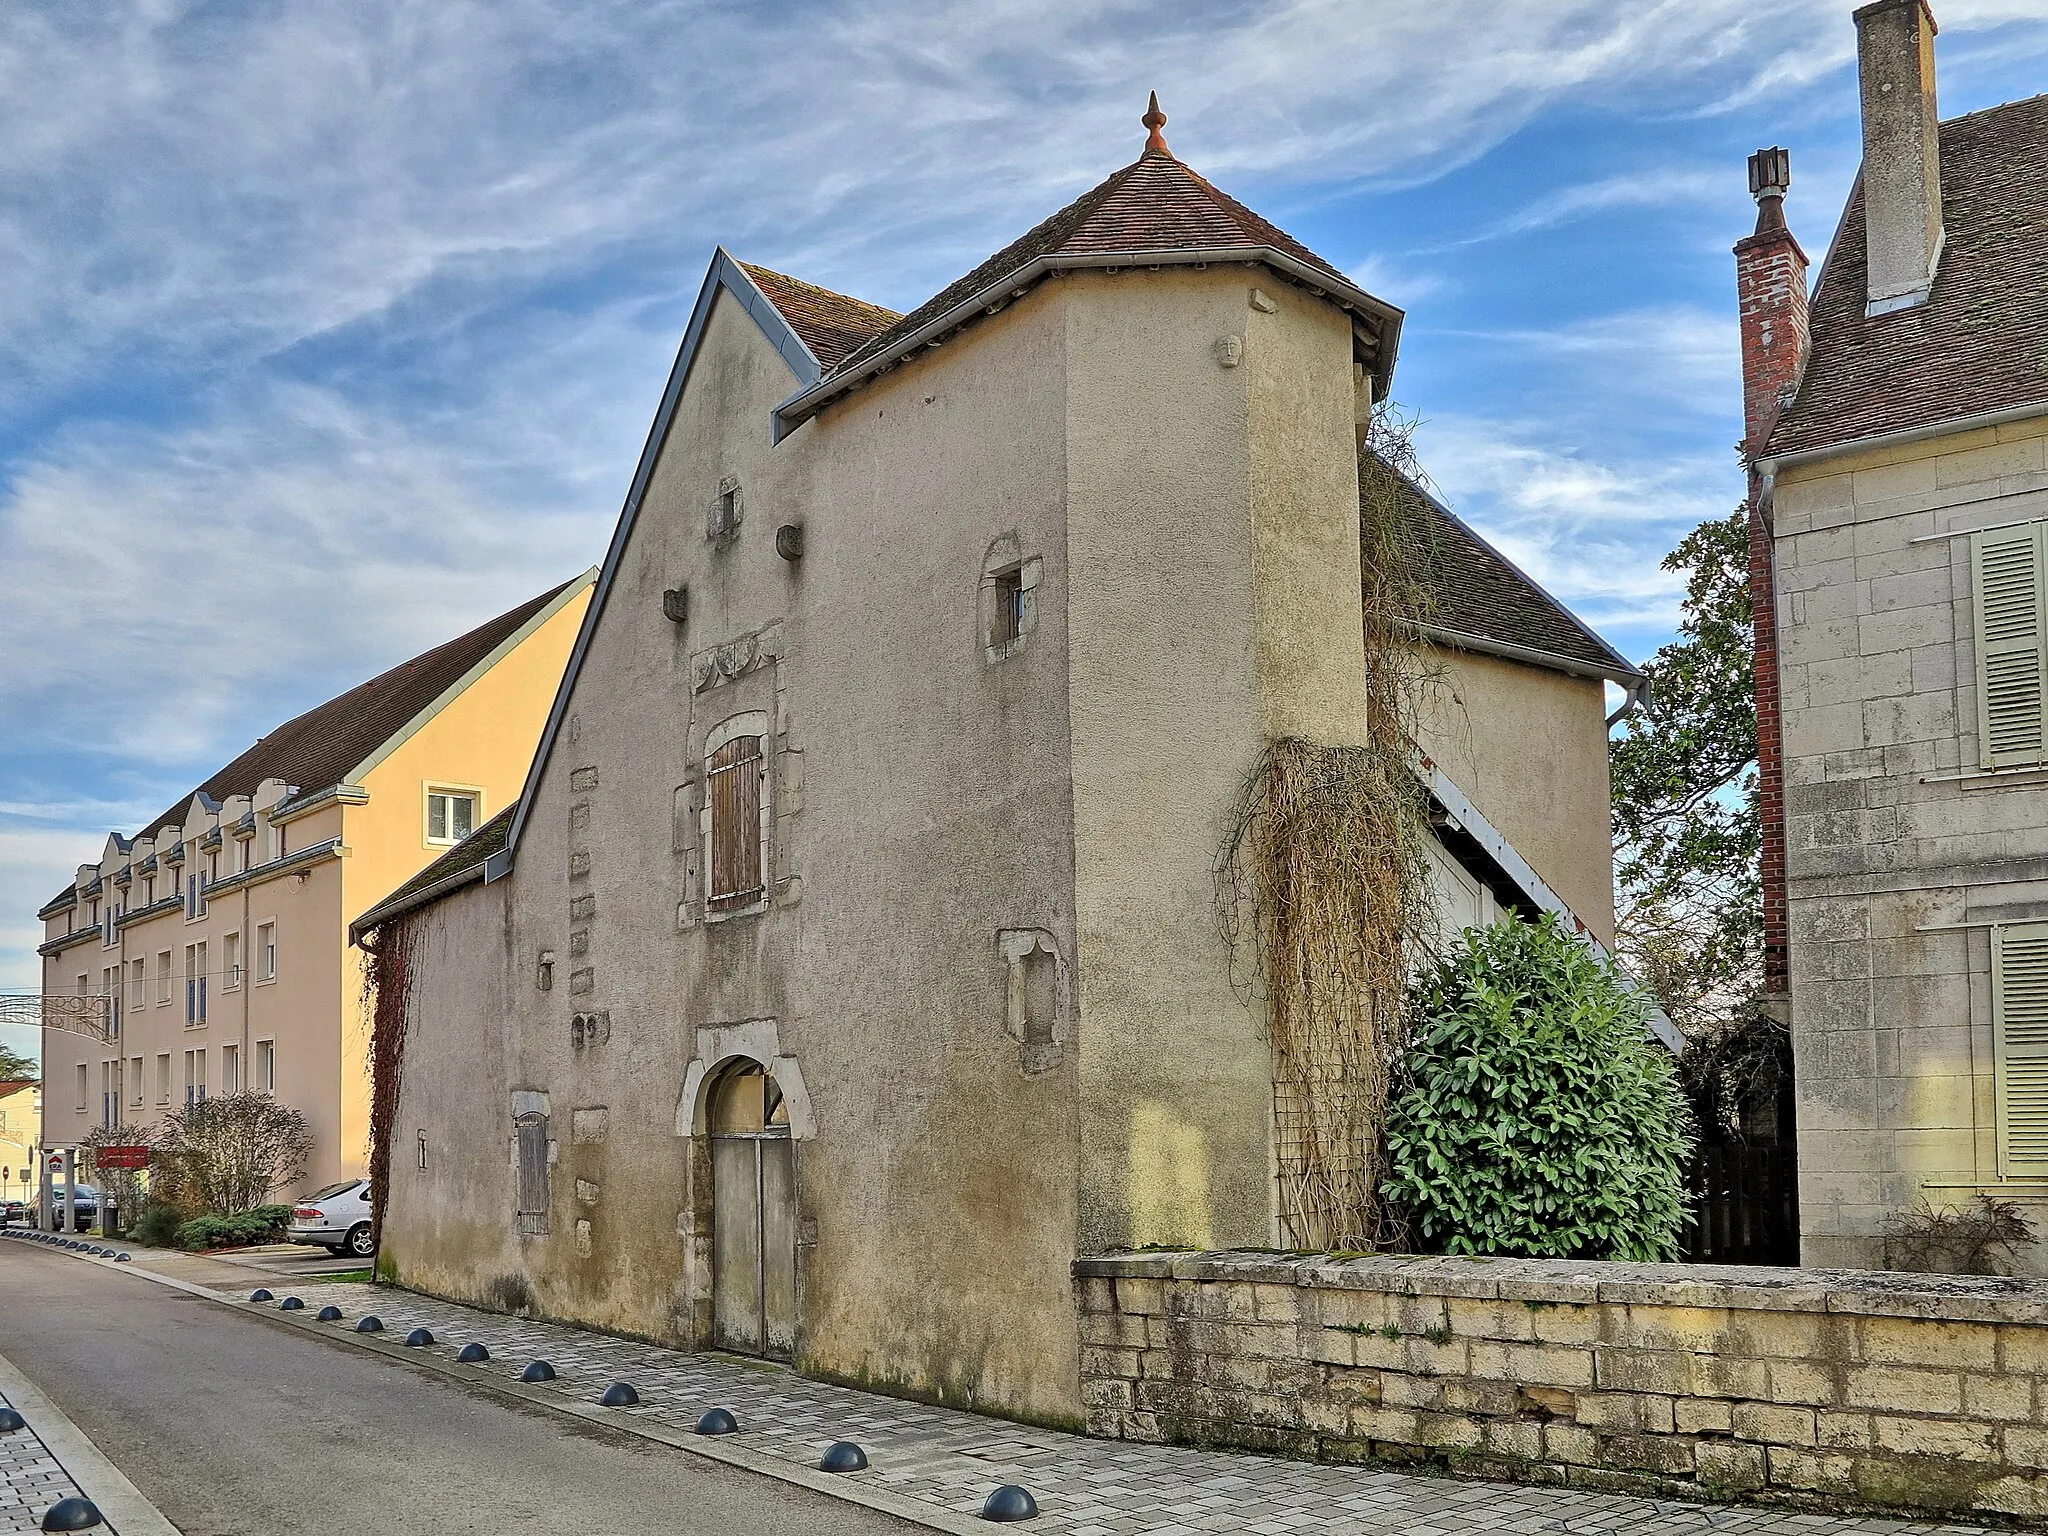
(756, 723)
(728, 508)
(1008, 576)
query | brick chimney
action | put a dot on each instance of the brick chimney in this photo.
(1901, 152)
(1770, 283)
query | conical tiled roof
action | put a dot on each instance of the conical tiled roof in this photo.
(1153, 211)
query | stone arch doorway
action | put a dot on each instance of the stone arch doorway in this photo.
(753, 1214)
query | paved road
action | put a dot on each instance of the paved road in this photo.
(237, 1428)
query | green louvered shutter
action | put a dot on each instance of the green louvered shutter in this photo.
(2019, 1017)
(2011, 628)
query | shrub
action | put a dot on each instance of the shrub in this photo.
(1537, 1116)
(228, 1153)
(156, 1224)
(264, 1224)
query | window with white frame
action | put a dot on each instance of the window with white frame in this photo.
(138, 984)
(230, 1069)
(163, 976)
(230, 961)
(110, 989)
(83, 1087)
(135, 1085)
(195, 985)
(736, 816)
(451, 814)
(195, 1077)
(163, 1077)
(195, 895)
(266, 951)
(266, 1067)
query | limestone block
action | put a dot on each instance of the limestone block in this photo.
(1508, 1437)
(1566, 1323)
(1447, 1431)
(1720, 1376)
(1512, 1321)
(1099, 1392)
(1697, 1328)
(1403, 1391)
(1935, 1437)
(1774, 1423)
(2026, 1447)
(2003, 1398)
(1276, 1303)
(1795, 497)
(1105, 1363)
(2023, 1348)
(1397, 1425)
(1092, 1293)
(1837, 1431)
(1647, 1453)
(1979, 465)
(1350, 1308)
(1332, 1346)
(1810, 1471)
(1933, 668)
(2014, 1495)
(1121, 1330)
(1697, 1415)
(1916, 717)
(1140, 1295)
(1833, 728)
(1611, 1410)
(1890, 1386)
(1539, 1365)
(1725, 1467)
(1570, 1444)
(1804, 1382)
(1774, 1335)
(1500, 1399)
(1893, 480)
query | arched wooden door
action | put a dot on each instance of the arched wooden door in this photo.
(753, 1216)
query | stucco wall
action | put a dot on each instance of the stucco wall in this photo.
(1529, 746)
(1907, 1392)
(1895, 837)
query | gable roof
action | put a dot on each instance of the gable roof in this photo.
(458, 867)
(327, 744)
(831, 324)
(1479, 600)
(1153, 212)
(1980, 343)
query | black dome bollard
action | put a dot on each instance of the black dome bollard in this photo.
(619, 1394)
(540, 1370)
(843, 1456)
(260, 1294)
(718, 1421)
(122, 1258)
(10, 1421)
(371, 1324)
(1008, 1503)
(327, 1315)
(72, 1515)
(473, 1354)
(419, 1338)
(291, 1304)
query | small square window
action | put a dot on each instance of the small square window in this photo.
(450, 816)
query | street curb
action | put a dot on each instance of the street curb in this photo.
(842, 1486)
(125, 1507)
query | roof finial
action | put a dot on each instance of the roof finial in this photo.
(1155, 120)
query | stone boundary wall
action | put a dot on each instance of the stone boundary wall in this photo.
(1802, 1386)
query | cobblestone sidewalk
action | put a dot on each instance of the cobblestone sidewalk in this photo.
(30, 1480)
(948, 1461)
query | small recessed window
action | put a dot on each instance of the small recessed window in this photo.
(1006, 617)
(451, 816)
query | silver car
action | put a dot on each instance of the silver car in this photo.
(336, 1218)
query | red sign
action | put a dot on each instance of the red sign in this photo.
(121, 1157)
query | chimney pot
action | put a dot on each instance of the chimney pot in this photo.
(1902, 231)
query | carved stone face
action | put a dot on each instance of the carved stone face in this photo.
(1229, 350)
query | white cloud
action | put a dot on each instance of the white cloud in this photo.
(1674, 354)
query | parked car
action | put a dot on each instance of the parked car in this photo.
(336, 1218)
(12, 1211)
(85, 1207)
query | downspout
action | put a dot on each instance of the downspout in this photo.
(1635, 695)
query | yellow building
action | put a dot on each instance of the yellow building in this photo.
(216, 938)
(21, 1105)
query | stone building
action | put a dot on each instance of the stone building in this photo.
(852, 961)
(1895, 426)
(208, 953)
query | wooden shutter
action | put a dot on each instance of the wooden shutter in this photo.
(2006, 570)
(533, 1173)
(734, 786)
(2019, 1017)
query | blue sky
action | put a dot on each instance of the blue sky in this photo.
(328, 331)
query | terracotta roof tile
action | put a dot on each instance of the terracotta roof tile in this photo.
(315, 750)
(1153, 204)
(1477, 591)
(831, 324)
(1980, 342)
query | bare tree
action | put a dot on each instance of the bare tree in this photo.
(226, 1154)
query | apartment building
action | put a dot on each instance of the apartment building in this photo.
(214, 940)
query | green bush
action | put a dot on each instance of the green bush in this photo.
(1536, 1115)
(156, 1224)
(265, 1224)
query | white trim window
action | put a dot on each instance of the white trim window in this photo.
(266, 1067)
(266, 951)
(230, 961)
(451, 814)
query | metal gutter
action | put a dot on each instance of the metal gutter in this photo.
(807, 402)
(1468, 819)
(1771, 464)
(287, 811)
(1458, 639)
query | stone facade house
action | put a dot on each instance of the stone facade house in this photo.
(207, 953)
(851, 961)
(1896, 423)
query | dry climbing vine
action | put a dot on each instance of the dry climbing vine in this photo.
(387, 988)
(1323, 881)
